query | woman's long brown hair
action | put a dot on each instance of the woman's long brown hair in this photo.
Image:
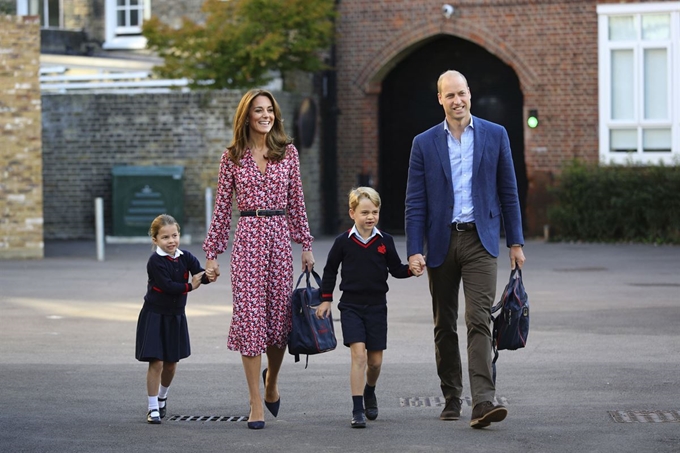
(277, 139)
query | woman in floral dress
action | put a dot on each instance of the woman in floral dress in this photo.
(261, 168)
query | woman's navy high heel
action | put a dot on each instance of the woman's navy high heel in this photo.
(256, 425)
(271, 407)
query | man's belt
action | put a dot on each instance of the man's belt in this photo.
(463, 226)
(263, 213)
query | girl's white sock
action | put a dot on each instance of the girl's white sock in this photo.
(163, 393)
(153, 402)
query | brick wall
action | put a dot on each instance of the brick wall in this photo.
(551, 45)
(86, 135)
(21, 197)
(82, 15)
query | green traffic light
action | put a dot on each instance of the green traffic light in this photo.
(532, 120)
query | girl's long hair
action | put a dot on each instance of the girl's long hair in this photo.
(277, 139)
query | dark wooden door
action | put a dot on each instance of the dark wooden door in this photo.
(409, 106)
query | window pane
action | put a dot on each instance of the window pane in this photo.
(656, 27)
(134, 18)
(33, 7)
(134, 2)
(121, 19)
(656, 140)
(623, 141)
(53, 6)
(622, 85)
(41, 12)
(622, 28)
(121, 3)
(656, 89)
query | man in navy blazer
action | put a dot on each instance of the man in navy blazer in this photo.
(461, 183)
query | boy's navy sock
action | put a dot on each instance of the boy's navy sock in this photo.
(369, 391)
(358, 401)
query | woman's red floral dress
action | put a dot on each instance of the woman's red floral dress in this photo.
(261, 257)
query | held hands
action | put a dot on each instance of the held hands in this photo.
(196, 280)
(417, 264)
(212, 270)
(323, 310)
(516, 256)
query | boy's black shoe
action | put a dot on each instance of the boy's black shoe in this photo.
(358, 420)
(451, 410)
(153, 417)
(371, 403)
(162, 409)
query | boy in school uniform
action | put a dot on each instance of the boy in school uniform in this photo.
(366, 255)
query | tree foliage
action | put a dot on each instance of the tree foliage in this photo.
(8, 7)
(243, 41)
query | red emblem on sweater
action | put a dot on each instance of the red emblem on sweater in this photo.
(382, 249)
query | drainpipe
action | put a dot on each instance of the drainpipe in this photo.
(330, 112)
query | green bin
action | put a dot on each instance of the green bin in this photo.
(142, 193)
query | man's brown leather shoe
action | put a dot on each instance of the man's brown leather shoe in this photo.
(451, 410)
(486, 413)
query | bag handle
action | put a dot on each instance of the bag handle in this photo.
(308, 289)
(307, 273)
(316, 277)
(515, 274)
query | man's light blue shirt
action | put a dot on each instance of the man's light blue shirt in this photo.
(460, 157)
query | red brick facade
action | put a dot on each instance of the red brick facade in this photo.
(551, 46)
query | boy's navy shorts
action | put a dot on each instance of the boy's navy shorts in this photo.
(364, 324)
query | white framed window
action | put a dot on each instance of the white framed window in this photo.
(123, 22)
(639, 82)
(50, 11)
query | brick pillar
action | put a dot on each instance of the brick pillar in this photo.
(21, 197)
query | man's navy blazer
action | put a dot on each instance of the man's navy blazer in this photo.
(429, 192)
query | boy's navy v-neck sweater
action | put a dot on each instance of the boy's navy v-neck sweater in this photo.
(364, 269)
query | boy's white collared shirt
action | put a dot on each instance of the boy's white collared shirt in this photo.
(355, 232)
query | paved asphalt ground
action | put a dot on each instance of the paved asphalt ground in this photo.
(604, 339)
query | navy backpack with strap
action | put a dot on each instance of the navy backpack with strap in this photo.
(309, 335)
(511, 324)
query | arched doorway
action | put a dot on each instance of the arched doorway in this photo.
(408, 106)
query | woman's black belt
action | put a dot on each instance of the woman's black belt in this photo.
(263, 213)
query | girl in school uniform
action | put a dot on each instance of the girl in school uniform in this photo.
(162, 333)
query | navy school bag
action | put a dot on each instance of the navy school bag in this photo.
(511, 323)
(309, 335)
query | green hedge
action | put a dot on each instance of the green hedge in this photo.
(617, 204)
